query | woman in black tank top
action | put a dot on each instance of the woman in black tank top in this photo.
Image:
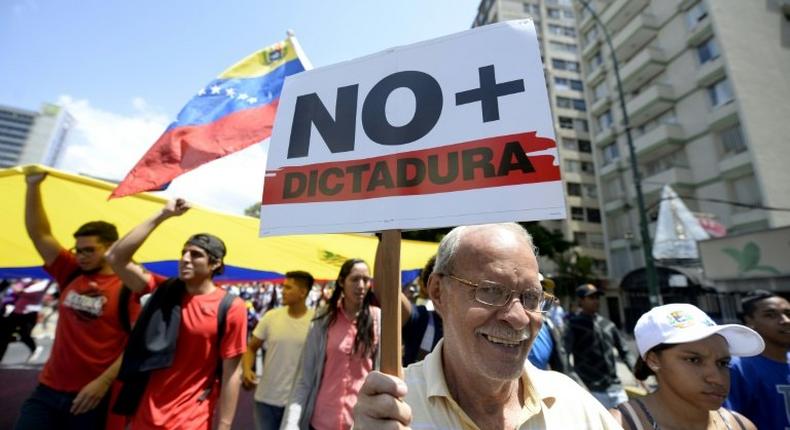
(689, 356)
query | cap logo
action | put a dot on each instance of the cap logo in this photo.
(682, 319)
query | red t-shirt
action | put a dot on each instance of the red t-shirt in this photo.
(89, 335)
(171, 397)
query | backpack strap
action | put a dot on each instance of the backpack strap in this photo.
(222, 317)
(123, 309)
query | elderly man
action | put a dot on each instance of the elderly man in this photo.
(485, 286)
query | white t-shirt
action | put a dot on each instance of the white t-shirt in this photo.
(284, 337)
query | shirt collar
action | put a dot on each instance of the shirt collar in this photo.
(436, 384)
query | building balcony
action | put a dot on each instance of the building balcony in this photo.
(750, 216)
(611, 168)
(659, 141)
(599, 106)
(723, 116)
(587, 21)
(646, 64)
(700, 32)
(736, 165)
(675, 176)
(619, 13)
(615, 205)
(649, 103)
(590, 48)
(605, 137)
(710, 72)
(595, 76)
(641, 30)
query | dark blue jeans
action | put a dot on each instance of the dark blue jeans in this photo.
(49, 409)
(267, 417)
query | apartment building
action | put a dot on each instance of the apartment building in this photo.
(555, 24)
(30, 137)
(707, 93)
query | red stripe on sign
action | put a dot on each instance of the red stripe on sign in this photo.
(485, 163)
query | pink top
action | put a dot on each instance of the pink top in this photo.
(343, 375)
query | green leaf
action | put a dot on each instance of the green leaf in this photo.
(736, 255)
(769, 269)
(751, 256)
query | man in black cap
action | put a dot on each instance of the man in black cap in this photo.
(591, 338)
(184, 352)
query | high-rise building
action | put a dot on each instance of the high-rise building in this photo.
(557, 37)
(28, 137)
(708, 97)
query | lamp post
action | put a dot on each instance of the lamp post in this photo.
(650, 268)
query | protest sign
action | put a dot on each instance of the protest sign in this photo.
(455, 130)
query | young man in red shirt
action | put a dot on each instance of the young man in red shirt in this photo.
(90, 337)
(183, 392)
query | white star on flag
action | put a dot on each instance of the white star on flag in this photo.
(202, 92)
(252, 100)
(215, 89)
(243, 96)
(230, 92)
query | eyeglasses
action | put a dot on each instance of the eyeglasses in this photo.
(494, 294)
(88, 250)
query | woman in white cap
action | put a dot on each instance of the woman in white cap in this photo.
(689, 355)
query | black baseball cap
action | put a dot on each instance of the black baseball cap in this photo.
(586, 290)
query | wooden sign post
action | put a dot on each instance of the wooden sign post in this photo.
(387, 282)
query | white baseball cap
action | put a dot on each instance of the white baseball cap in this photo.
(682, 323)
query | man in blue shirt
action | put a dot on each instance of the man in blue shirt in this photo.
(760, 385)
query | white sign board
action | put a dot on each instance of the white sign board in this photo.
(451, 131)
(759, 254)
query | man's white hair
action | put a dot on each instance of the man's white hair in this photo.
(448, 247)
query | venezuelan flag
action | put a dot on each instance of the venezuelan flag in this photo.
(232, 112)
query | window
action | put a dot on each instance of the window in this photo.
(612, 189)
(567, 13)
(610, 152)
(561, 30)
(669, 161)
(577, 213)
(570, 144)
(576, 85)
(744, 190)
(572, 166)
(574, 189)
(561, 84)
(593, 215)
(566, 123)
(695, 15)
(708, 51)
(532, 9)
(587, 167)
(594, 62)
(604, 121)
(564, 47)
(732, 141)
(591, 35)
(580, 238)
(590, 191)
(600, 91)
(563, 102)
(581, 125)
(720, 93)
(559, 64)
(579, 105)
(585, 146)
(553, 13)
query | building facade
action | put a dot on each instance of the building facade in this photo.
(706, 90)
(555, 24)
(29, 137)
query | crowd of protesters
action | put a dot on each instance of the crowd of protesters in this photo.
(136, 350)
